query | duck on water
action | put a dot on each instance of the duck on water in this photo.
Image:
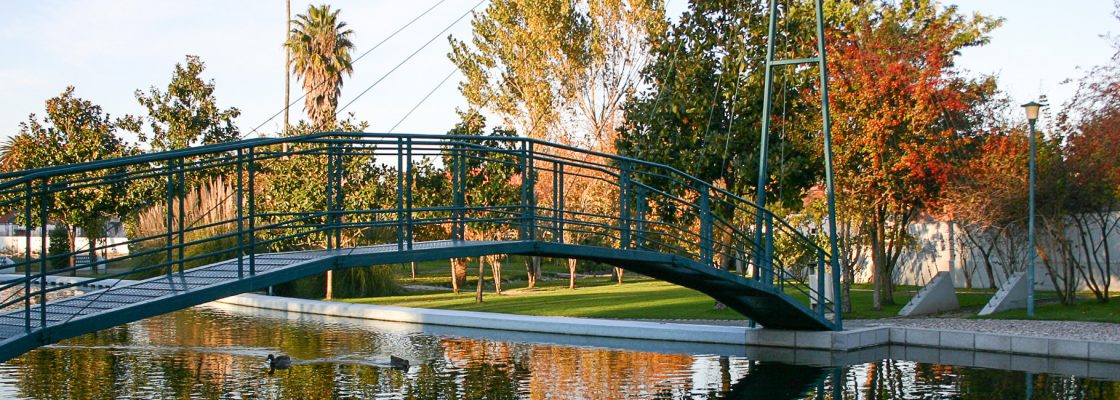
(283, 362)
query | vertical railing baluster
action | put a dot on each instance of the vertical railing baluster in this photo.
(180, 189)
(455, 207)
(43, 221)
(27, 262)
(521, 231)
(624, 205)
(252, 212)
(771, 270)
(408, 194)
(556, 194)
(340, 194)
(820, 283)
(170, 217)
(531, 207)
(400, 194)
(640, 217)
(837, 312)
(240, 214)
(328, 223)
(705, 226)
(457, 184)
(560, 201)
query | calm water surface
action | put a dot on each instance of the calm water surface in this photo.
(219, 352)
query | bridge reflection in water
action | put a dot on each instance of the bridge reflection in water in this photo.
(218, 352)
(391, 198)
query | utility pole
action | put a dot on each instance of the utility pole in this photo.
(287, 67)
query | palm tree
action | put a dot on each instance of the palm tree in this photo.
(320, 51)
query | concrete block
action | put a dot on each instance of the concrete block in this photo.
(1078, 349)
(991, 342)
(1069, 367)
(812, 357)
(845, 340)
(776, 338)
(958, 340)
(937, 296)
(867, 338)
(1104, 351)
(1030, 346)
(957, 357)
(992, 360)
(898, 335)
(883, 336)
(922, 337)
(895, 351)
(1103, 370)
(926, 355)
(1012, 295)
(813, 340)
(1032, 364)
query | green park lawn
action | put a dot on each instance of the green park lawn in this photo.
(645, 298)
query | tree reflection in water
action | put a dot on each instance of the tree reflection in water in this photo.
(208, 353)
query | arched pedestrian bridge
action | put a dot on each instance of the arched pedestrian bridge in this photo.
(293, 207)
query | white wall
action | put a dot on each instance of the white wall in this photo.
(931, 254)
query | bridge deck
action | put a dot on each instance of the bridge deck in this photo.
(128, 302)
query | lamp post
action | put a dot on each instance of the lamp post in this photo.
(1032, 116)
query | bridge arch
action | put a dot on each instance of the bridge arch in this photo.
(356, 199)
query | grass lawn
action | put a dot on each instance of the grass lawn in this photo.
(1086, 309)
(641, 298)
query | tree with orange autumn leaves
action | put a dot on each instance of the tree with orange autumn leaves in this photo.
(902, 114)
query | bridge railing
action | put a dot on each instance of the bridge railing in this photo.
(337, 190)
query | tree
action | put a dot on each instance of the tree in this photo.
(523, 61)
(320, 49)
(901, 110)
(187, 114)
(560, 70)
(74, 130)
(491, 181)
(699, 113)
(1090, 124)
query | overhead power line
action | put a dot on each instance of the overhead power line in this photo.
(356, 60)
(417, 51)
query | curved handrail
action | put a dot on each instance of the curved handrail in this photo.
(695, 230)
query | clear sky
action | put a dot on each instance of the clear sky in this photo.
(108, 49)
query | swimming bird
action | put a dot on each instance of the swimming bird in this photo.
(278, 362)
(397, 362)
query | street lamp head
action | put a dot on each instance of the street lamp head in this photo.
(1032, 110)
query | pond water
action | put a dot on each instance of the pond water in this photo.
(217, 351)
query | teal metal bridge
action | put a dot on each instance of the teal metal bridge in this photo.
(395, 198)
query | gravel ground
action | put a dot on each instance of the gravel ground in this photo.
(1096, 331)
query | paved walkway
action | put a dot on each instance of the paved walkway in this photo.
(1076, 330)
